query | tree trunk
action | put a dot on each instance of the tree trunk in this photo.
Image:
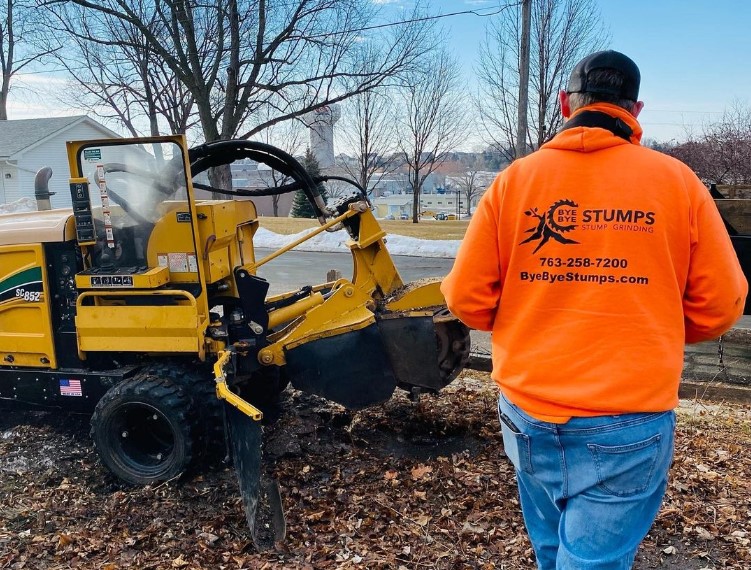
(4, 98)
(220, 177)
(521, 125)
(416, 188)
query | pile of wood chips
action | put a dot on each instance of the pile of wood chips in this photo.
(399, 486)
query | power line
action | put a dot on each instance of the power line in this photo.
(669, 124)
(649, 109)
(41, 71)
(476, 12)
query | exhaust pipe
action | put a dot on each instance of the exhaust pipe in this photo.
(41, 188)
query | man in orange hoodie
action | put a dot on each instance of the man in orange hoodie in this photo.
(593, 261)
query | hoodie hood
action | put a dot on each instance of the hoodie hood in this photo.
(590, 139)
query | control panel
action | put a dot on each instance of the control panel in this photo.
(79, 193)
(122, 278)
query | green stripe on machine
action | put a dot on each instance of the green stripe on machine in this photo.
(30, 275)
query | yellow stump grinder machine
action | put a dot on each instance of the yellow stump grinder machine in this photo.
(141, 305)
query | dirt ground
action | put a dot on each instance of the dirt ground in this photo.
(402, 485)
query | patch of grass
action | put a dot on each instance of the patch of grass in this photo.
(426, 229)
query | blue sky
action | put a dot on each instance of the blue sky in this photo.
(694, 55)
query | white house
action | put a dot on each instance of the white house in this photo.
(30, 144)
(393, 207)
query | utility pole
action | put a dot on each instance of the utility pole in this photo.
(521, 120)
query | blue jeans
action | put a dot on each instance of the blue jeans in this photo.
(590, 488)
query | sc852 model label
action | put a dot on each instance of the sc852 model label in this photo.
(30, 296)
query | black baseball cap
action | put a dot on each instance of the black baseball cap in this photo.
(609, 59)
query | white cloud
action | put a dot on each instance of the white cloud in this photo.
(35, 95)
(44, 79)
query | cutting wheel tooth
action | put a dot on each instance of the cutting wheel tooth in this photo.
(453, 348)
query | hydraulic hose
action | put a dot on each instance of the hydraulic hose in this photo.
(219, 153)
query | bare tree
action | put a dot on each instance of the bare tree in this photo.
(236, 57)
(367, 131)
(563, 31)
(20, 44)
(125, 81)
(471, 183)
(434, 120)
(290, 137)
(721, 154)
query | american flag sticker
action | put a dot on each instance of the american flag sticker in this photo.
(70, 387)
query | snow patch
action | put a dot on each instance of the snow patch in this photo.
(21, 461)
(8, 434)
(337, 241)
(20, 205)
(325, 241)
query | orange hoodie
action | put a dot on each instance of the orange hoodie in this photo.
(593, 261)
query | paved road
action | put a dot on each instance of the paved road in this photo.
(297, 268)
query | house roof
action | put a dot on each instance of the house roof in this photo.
(18, 135)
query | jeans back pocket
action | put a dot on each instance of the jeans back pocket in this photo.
(516, 445)
(626, 470)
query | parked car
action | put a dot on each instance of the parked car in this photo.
(404, 217)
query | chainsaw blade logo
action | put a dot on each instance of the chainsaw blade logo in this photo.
(556, 221)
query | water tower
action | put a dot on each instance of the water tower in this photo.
(321, 124)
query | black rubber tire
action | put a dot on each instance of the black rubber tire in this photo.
(141, 429)
(197, 379)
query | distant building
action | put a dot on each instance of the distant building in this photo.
(399, 205)
(388, 184)
(391, 194)
(457, 184)
(28, 145)
(393, 207)
(321, 123)
(431, 204)
(249, 175)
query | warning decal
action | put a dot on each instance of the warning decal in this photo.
(178, 262)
